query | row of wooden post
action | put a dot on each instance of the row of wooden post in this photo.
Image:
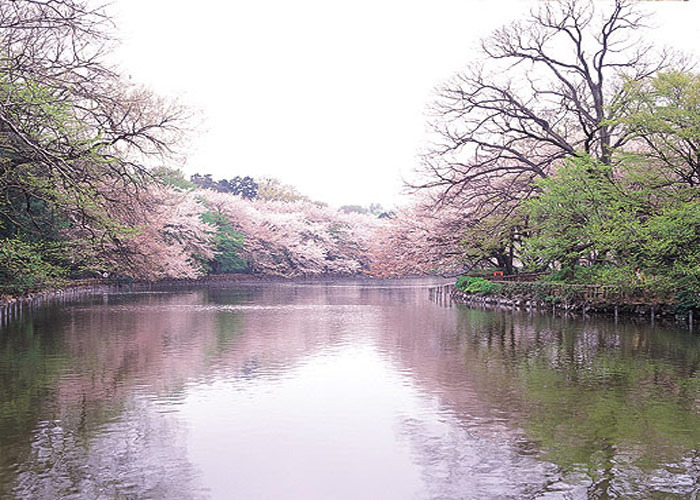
(443, 295)
(14, 309)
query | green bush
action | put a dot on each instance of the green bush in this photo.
(623, 277)
(687, 295)
(25, 266)
(552, 293)
(477, 285)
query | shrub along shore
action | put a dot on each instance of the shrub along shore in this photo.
(566, 297)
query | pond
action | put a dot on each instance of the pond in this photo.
(341, 389)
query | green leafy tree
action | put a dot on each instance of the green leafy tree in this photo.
(493, 241)
(670, 253)
(203, 181)
(576, 207)
(228, 245)
(245, 187)
(663, 118)
(595, 228)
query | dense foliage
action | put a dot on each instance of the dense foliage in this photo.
(24, 266)
(635, 222)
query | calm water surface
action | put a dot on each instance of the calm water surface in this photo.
(341, 390)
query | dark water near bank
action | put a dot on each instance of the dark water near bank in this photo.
(345, 390)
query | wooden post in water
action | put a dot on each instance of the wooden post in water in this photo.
(615, 313)
(690, 320)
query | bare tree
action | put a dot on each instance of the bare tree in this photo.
(542, 92)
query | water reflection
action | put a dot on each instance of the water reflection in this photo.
(345, 390)
(614, 407)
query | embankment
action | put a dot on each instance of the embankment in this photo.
(567, 299)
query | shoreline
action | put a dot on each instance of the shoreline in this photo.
(650, 312)
(12, 306)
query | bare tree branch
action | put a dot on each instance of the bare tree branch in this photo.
(69, 124)
(542, 92)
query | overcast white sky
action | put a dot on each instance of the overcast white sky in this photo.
(327, 96)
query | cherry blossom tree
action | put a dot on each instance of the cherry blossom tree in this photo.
(418, 240)
(297, 238)
(162, 236)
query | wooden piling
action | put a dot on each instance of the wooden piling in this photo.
(690, 320)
